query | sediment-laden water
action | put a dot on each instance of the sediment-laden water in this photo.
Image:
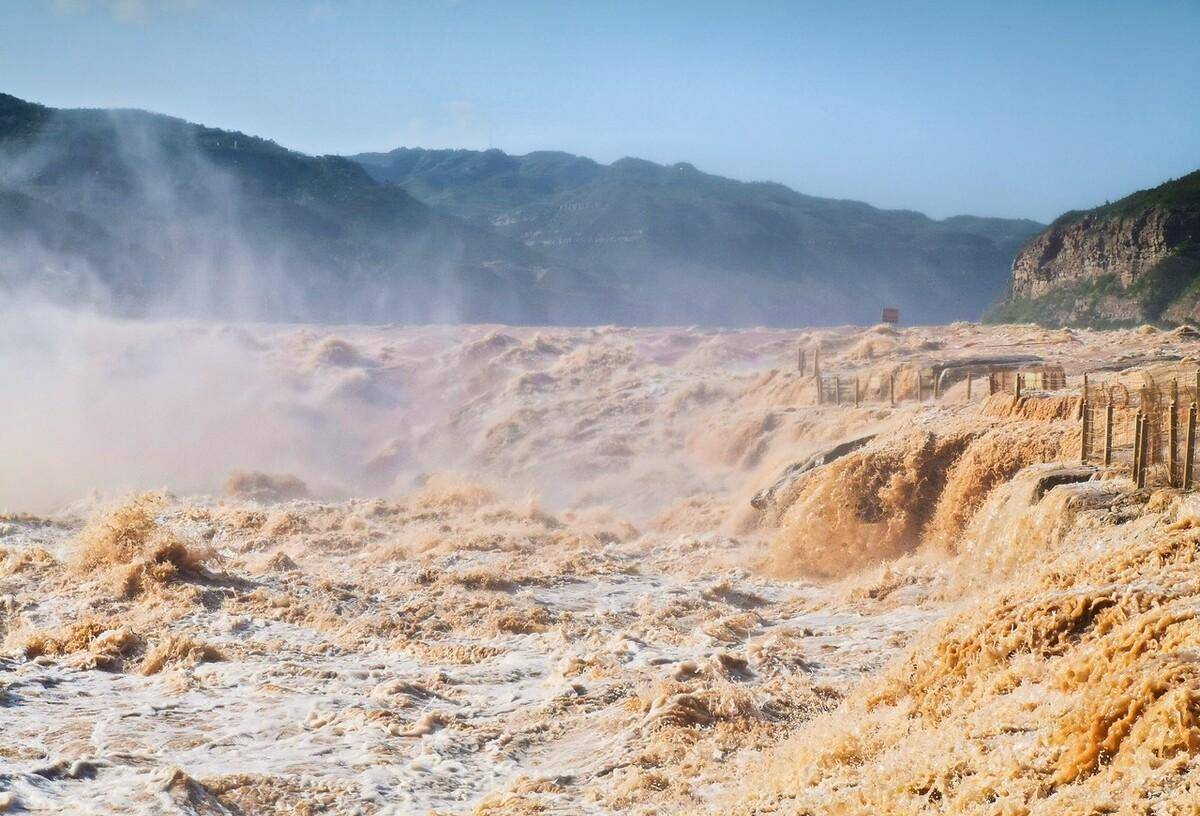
(481, 569)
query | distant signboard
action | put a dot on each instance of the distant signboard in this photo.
(890, 316)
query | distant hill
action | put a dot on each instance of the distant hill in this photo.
(480, 186)
(1129, 261)
(148, 214)
(693, 247)
(141, 213)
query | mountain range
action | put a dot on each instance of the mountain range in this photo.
(693, 247)
(145, 214)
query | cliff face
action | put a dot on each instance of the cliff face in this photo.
(1131, 261)
(1092, 248)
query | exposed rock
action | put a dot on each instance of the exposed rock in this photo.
(1131, 261)
(766, 497)
(1062, 476)
(1092, 248)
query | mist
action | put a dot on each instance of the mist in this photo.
(140, 215)
(97, 402)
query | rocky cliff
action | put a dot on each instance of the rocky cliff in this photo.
(1134, 260)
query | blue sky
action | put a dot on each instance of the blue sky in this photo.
(992, 108)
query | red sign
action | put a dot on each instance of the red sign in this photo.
(891, 316)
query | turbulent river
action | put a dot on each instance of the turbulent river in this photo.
(483, 569)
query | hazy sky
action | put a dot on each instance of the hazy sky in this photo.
(994, 108)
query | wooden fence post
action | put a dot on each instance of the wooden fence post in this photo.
(1083, 393)
(802, 361)
(1137, 440)
(837, 390)
(892, 389)
(920, 387)
(1108, 422)
(1144, 457)
(856, 391)
(1189, 448)
(1149, 448)
(968, 386)
(817, 362)
(1172, 440)
(1140, 445)
(820, 390)
(1137, 446)
(937, 384)
(1151, 434)
(1085, 431)
(1017, 385)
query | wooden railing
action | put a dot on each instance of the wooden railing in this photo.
(906, 384)
(909, 384)
(1148, 430)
